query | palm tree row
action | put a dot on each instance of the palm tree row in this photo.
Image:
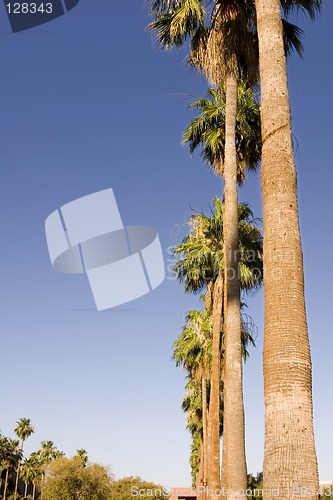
(227, 39)
(193, 350)
(207, 131)
(30, 470)
(200, 267)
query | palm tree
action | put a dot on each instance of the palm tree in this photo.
(83, 456)
(30, 471)
(46, 453)
(23, 430)
(234, 460)
(11, 457)
(200, 268)
(34, 465)
(25, 474)
(208, 131)
(196, 462)
(193, 407)
(193, 350)
(3, 444)
(289, 457)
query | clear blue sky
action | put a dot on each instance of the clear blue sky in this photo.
(88, 103)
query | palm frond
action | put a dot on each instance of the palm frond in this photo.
(309, 7)
(207, 130)
(292, 38)
(176, 21)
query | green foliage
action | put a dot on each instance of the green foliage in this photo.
(48, 452)
(207, 130)
(68, 479)
(200, 258)
(255, 486)
(83, 455)
(195, 458)
(30, 469)
(327, 493)
(24, 429)
(177, 22)
(193, 347)
(200, 255)
(10, 454)
(135, 487)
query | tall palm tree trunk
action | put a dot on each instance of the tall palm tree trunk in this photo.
(233, 457)
(214, 482)
(6, 485)
(290, 461)
(200, 473)
(18, 473)
(16, 481)
(204, 428)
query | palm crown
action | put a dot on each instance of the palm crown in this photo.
(207, 129)
(201, 252)
(222, 34)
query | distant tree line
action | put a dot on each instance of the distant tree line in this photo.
(46, 474)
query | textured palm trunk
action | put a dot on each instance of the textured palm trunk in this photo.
(33, 491)
(18, 473)
(16, 481)
(214, 481)
(200, 472)
(6, 485)
(204, 429)
(290, 463)
(209, 442)
(233, 457)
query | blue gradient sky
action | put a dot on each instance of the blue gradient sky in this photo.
(88, 103)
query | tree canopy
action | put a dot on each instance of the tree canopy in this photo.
(69, 479)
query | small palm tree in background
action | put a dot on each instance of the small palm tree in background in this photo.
(35, 468)
(26, 473)
(3, 443)
(47, 453)
(192, 405)
(11, 457)
(192, 350)
(82, 454)
(23, 430)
